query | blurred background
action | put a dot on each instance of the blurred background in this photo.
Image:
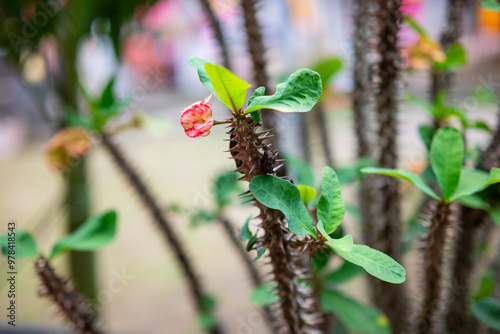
(144, 46)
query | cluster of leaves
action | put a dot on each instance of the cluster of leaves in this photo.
(96, 232)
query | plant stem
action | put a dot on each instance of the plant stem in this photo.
(440, 219)
(216, 27)
(73, 305)
(149, 202)
(441, 81)
(391, 298)
(321, 122)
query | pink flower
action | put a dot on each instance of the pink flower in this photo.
(197, 118)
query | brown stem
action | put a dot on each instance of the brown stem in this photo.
(216, 26)
(149, 202)
(73, 305)
(296, 309)
(440, 219)
(321, 123)
(390, 298)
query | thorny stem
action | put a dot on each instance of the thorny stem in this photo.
(216, 26)
(440, 219)
(164, 225)
(73, 305)
(391, 298)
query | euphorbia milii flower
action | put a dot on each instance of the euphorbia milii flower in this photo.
(67, 145)
(197, 118)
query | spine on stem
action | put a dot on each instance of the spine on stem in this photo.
(149, 202)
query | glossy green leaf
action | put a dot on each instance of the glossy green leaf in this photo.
(375, 263)
(343, 244)
(357, 317)
(327, 69)
(331, 206)
(426, 134)
(485, 285)
(256, 114)
(264, 295)
(474, 202)
(246, 234)
(24, 245)
(488, 312)
(343, 274)
(230, 89)
(107, 98)
(199, 64)
(447, 156)
(415, 179)
(495, 215)
(307, 193)
(491, 5)
(299, 93)
(473, 181)
(95, 233)
(282, 195)
(260, 252)
(456, 57)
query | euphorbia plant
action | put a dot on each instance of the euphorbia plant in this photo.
(455, 182)
(288, 227)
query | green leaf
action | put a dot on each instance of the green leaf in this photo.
(492, 5)
(427, 133)
(488, 312)
(486, 285)
(495, 215)
(456, 57)
(107, 99)
(344, 274)
(375, 263)
(260, 252)
(299, 93)
(357, 317)
(199, 64)
(207, 321)
(415, 179)
(96, 232)
(264, 295)
(447, 156)
(327, 69)
(331, 206)
(474, 202)
(282, 195)
(473, 181)
(24, 245)
(301, 169)
(256, 114)
(225, 189)
(307, 193)
(343, 244)
(230, 89)
(415, 26)
(246, 234)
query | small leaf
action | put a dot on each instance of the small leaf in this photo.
(375, 263)
(225, 189)
(260, 252)
(344, 274)
(256, 114)
(491, 5)
(331, 206)
(474, 181)
(207, 321)
(427, 133)
(456, 57)
(246, 234)
(264, 295)
(107, 99)
(447, 156)
(307, 193)
(327, 69)
(343, 244)
(299, 93)
(230, 89)
(24, 245)
(474, 202)
(96, 232)
(415, 179)
(488, 312)
(357, 317)
(199, 64)
(495, 215)
(415, 26)
(282, 195)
